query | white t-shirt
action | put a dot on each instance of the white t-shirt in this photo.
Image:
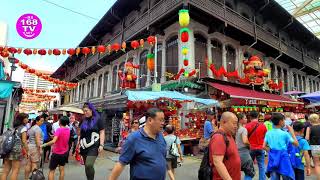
(55, 126)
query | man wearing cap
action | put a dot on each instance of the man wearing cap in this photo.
(145, 150)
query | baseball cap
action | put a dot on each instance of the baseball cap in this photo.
(142, 122)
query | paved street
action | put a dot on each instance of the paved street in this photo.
(104, 164)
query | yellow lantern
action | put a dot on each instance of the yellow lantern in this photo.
(185, 50)
(184, 18)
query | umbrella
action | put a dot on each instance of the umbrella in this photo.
(313, 97)
(294, 93)
(71, 109)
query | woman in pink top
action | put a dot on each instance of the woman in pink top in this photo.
(60, 151)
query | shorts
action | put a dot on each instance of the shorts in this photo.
(58, 160)
(34, 154)
(172, 162)
(315, 150)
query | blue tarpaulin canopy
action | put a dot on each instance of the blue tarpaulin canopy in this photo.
(6, 89)
(152, 95)
(312, 97)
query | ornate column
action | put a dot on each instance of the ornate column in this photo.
(209, 55)
(163, 61)
(224, 58)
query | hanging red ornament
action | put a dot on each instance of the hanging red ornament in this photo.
(184, 34)
(38, 74)
(185, 62)
(16, 61)
(134, 44)
(71, 51)
(12, 50)
(151, 40)
(51, 90)
(141, 43)
(27, 52)
(4, 54)
(19, 51)
(115, 47)
(50, 52)
(24, 66)
(85, 51)
(101, 49)
(56, 52)
(32, 71)
(42, 52)
(193, 72)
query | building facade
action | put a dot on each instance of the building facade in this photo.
(224, 39)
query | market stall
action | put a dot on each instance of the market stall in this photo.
(180, 111)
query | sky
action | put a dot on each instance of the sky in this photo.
(60, 28)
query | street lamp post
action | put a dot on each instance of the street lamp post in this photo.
(12, 60)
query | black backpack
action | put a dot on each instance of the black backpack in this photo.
(7, 141)
(205, 170)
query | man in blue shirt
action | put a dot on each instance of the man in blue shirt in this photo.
(145, 150)
(208, 125)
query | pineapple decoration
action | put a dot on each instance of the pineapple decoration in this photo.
(184, 20)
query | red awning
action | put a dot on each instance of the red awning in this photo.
(242, 93)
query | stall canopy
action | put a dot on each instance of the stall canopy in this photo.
(151, 95)
(6, 88)
(249, 94)
(312, 97)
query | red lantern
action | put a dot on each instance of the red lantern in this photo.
(71, 51)
(4, 54)
(185, 62)
(184, 36)
(24, 66)
(101, 49)
(85, 51)
(42, 52)
(115, 47)
(51, 90)
(39, 74)
(27, 52)
(56, 52)
(12, 50)
(16, 61)
(124, 46)
(32, 71)
(151, 40)
(50, 52)
(130, 104)
(135, 44)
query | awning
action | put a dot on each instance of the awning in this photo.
(6, 88)
(312, 97)
(249, 94)
(152, 95)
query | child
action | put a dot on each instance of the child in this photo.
(60, 151)
(277, 140)
(300, 154)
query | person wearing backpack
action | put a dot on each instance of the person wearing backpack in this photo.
(224, 156)
(60, 149)
(299, 155)
(46, 128)
(276, 143)
(13, 159)
(173, 150)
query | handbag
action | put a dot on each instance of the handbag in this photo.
(37, 174)
(174, 149)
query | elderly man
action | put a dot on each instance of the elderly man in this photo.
(224, 151)
(145, 150)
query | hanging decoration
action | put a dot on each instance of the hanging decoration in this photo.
(254, 72)
(150, 61)
(128, 78)
(184, 18)
(115, 47)
(46, 77)
(184, 35)
(222, 72)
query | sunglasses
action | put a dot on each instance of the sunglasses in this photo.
(135, 122)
